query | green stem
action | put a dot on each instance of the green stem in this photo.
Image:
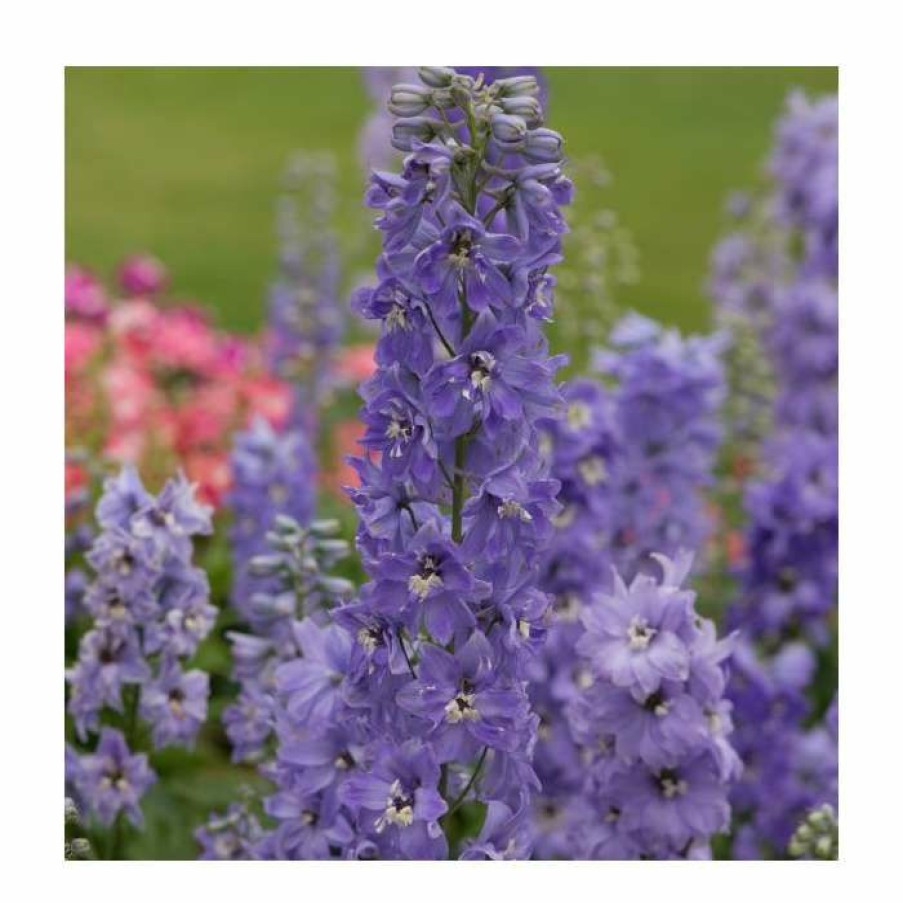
(458, 490)
(459, 799)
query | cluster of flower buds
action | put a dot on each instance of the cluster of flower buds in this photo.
(293, 583)
(305, 317)
(77, 846)
(273, 474)
(150, 609)
(817, 836)
(234, 835)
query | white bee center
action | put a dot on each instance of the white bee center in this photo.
(421, 586)
(523, 628)
(579, 415)
(461, 708)
(565, 517)
(368, 638)
(714, 721)
(399, 809)
(567, 607)
(593, 470)
(639, 633)
(397, 429)
(482, 363)
(672, 788)
(396, 318)
(511, 509)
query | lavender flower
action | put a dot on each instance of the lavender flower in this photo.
(648, 723)
(112, 779)
(150, 610)
(234, 835)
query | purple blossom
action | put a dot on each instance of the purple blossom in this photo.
(112, 779)
(398, 797)
(150, 609)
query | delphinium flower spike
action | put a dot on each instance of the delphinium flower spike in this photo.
(634, 456)
(788, 577)
(306, 318)
(150, 610)
(409, 706)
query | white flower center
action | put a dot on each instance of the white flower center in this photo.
(396, 318)
(399, 809)
(639, 633)
(565, 517)
(482, 363)
(428, 579)
(511, 509)
(368, 637)
(461, 708)
(672, 787)
(593, 470)
(579, 415)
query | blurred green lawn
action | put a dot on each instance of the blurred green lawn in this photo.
(185, 163)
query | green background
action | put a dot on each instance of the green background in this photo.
(185, 163)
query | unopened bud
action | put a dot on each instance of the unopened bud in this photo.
(509, 131)
(71, 812)
(516, 86)
(543, 146)
(409, 100)
(527, 108)
(264, 565)
(436, 76)
(417, 128)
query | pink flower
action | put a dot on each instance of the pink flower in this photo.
(345, 442)
(83, 341)
(355, 364)
(142, 274)
(85, 296)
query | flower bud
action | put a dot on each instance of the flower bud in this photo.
(517, 86)
(409, 100)
(543, 146)
(326, 527)
(509, 131)
(527, 108)
(79, 848)
(264, 565)
(418, 128)
(436, 76)
(286, 525)
(71, 812)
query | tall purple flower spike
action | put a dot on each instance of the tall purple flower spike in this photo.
(410, 704)
(150, 608)
(788, 583)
